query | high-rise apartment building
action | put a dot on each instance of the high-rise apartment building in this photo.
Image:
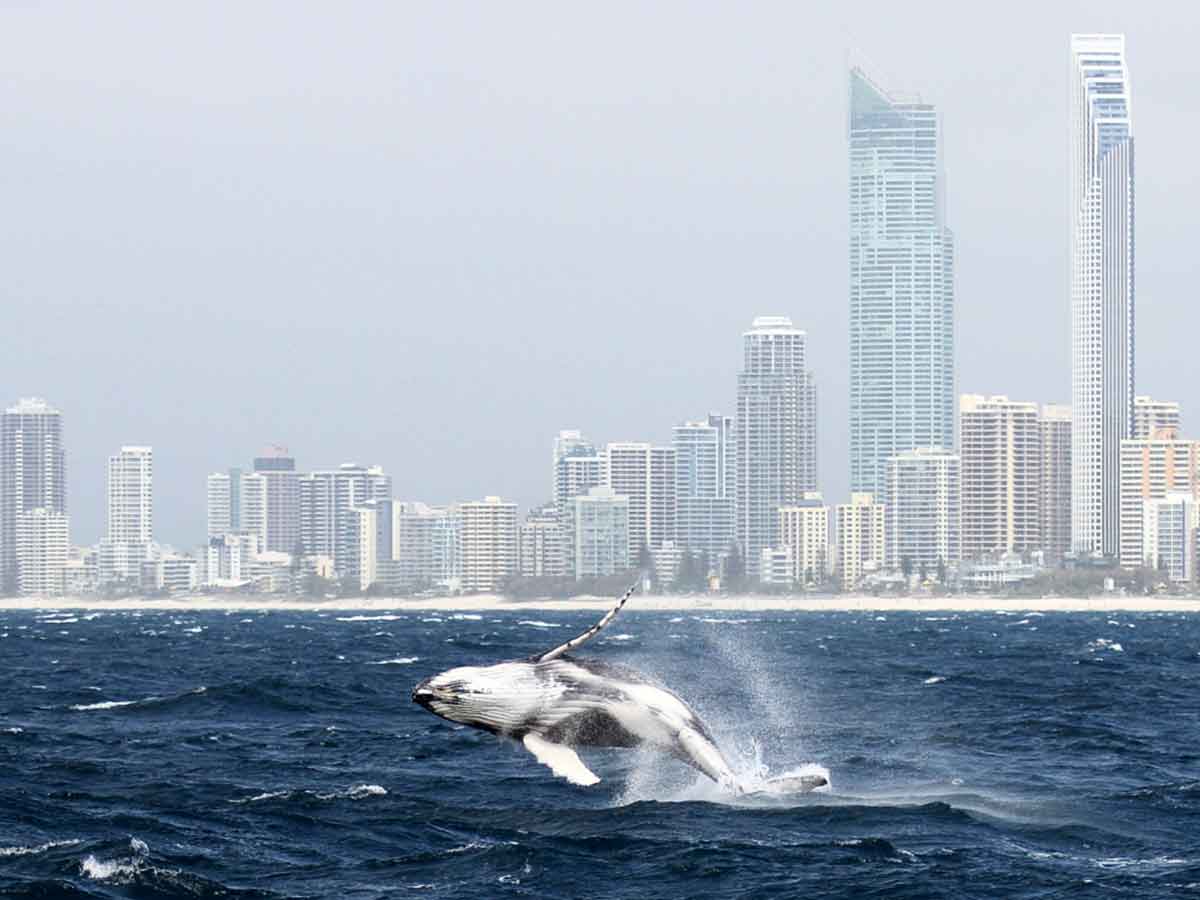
(489, 544)
(1152, 468)
(275, 502)
(858, 533)
(370, 543)
(1001, 449)
(600, 533)
(1102, 287)
(428, 547)
(327, 527)
(901, 282)
(129, 538)
(645, 475)
(224, 502)
(1169, 530)
(33, 475)
(43, 543)
(804, 530)
(541, 544)
(776, 447)
(578, 467)
(923, 520)
(1056, 479)
(705, 486)
(1150, 416)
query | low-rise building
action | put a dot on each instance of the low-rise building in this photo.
(804, 528)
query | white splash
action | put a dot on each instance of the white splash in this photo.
(935, 679)
(120, 870)
(357, 792)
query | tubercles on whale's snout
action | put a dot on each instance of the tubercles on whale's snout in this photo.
(422, 694)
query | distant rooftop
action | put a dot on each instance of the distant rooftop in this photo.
(29, 405)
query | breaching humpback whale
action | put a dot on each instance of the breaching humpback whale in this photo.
(553, 703)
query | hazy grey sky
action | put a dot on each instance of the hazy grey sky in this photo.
(431, 235)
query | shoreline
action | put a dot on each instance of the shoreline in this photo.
(651, 603)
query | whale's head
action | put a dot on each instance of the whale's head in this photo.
(489, 697)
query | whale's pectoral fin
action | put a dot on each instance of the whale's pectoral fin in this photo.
(562, 760)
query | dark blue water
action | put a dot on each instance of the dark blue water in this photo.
(278, 755)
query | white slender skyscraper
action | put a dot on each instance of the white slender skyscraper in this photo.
(901, 283)
(1101, 287)
(33, 476)
(776, 453)
(130, 536)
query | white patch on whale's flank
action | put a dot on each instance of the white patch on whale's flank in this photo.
(562, 760)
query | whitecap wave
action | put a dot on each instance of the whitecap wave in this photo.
(384, 618)
(398, 661)
(40, 848)
(934, 679)
(106, 704)
(355, 792)
(535, 623)
(267, 795)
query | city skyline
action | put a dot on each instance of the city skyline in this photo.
(792, 198)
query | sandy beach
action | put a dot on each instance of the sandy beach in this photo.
(651, 603)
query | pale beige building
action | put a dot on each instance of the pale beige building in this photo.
(489, 544)
(1152, 468)
(1000, 442)
(804, 529)
(858, 538)
(1056, 479)
(1151, 416)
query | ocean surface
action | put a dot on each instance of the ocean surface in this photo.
(251, 754)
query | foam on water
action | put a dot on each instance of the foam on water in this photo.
(40, 848)
(538, 624)
(398, 661)
(106, 704)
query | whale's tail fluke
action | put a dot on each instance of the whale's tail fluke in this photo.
(561, 649)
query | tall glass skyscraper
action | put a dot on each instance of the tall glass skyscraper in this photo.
(901, 283)
(1101, 287)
